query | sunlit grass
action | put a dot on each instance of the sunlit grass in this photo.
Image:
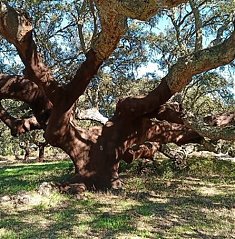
(196, 203)
(26, 177)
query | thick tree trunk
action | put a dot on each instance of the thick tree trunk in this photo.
(97, 165)
(116, 139)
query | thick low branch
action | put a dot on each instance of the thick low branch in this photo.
(20, 88)
(92, 114)
(211, 132)
(162, 132)
(193, 131)
(18, 126)
(157, 135)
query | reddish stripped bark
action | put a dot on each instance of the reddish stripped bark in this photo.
(169, 133)
(146, 150)
(22, 89)
(181, 133)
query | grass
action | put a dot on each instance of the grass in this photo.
(26, 177)
(196, 203)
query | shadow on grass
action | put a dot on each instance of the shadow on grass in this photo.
(191, 216)
(51, 228)
(158, 207)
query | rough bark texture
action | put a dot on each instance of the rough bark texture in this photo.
(138, 9)
(224, 127)
(96, 153)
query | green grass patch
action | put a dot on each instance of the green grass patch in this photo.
(112, 222)
(195, 203)
(213, 167)
(27, 177)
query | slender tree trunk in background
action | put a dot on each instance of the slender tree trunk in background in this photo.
(41, 152)
(26, 155)
(26, 149)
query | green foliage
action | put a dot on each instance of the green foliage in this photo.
(113, 222)
(161, 40)
(211, 167)
(208, 94)
(195, 166)
(8, 144)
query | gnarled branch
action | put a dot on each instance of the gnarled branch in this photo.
(212, 132)
(204, 60)
(20, 88)
(178, 77)
(18, 126)
(16, 28)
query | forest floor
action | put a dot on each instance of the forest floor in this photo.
(197, 202)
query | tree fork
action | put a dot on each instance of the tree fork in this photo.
(22, 89)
